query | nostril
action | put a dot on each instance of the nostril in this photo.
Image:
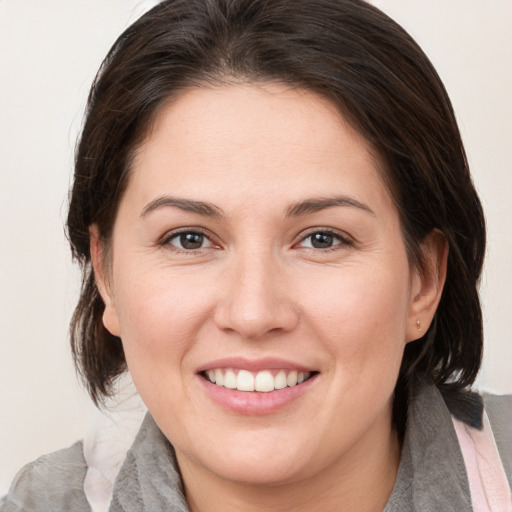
(254, 318)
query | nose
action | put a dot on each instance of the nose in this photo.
(256, 300)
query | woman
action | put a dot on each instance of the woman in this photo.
(281, 242)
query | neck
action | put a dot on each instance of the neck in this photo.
(361, 481)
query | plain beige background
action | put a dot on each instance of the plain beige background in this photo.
(49, 53)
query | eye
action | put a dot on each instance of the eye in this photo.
(324, 239)
(188, 241)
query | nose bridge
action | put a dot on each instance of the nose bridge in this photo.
(256, 300)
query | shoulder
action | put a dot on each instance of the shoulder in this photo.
(54, 482)
(499, 411)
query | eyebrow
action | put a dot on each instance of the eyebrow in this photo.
(187, 205)
(317, 204)
(295, 210)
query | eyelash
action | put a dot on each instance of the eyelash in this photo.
(166, 240)
(342, 239)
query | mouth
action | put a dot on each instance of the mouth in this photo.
(255, 387)
(263, 381)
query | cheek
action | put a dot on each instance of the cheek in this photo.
(160, 315)
(160, 323)
(362, 316)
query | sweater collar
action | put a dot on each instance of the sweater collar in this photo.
(149, 478)
(432, 475)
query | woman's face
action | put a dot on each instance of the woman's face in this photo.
(257, 246)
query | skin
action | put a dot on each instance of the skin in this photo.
(258, 288)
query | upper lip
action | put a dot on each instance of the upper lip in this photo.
(254, 365)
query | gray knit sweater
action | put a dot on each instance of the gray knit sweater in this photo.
(431, 477)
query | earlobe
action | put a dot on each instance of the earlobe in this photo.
(427, 285)
(110, 317)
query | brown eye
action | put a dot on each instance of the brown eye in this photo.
(322, 240)
(189, 240)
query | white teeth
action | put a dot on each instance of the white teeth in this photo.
(230, 379)
(263, 381)
(245, 381)
(292, 379)
(219, 377)
(280, 380)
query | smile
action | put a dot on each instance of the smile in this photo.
(263, 381)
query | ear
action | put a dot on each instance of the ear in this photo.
(427, 285)
(101, 275)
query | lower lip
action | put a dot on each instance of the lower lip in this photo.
(254, 402)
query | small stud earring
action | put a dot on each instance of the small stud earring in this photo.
(418, 325)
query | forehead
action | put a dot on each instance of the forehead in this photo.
(248, 138)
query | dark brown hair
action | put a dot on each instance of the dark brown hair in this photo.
(345, 50)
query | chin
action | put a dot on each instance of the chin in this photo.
(253, 458)
(256, 471)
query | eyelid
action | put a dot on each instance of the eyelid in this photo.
(343, 237)
(164, 241)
